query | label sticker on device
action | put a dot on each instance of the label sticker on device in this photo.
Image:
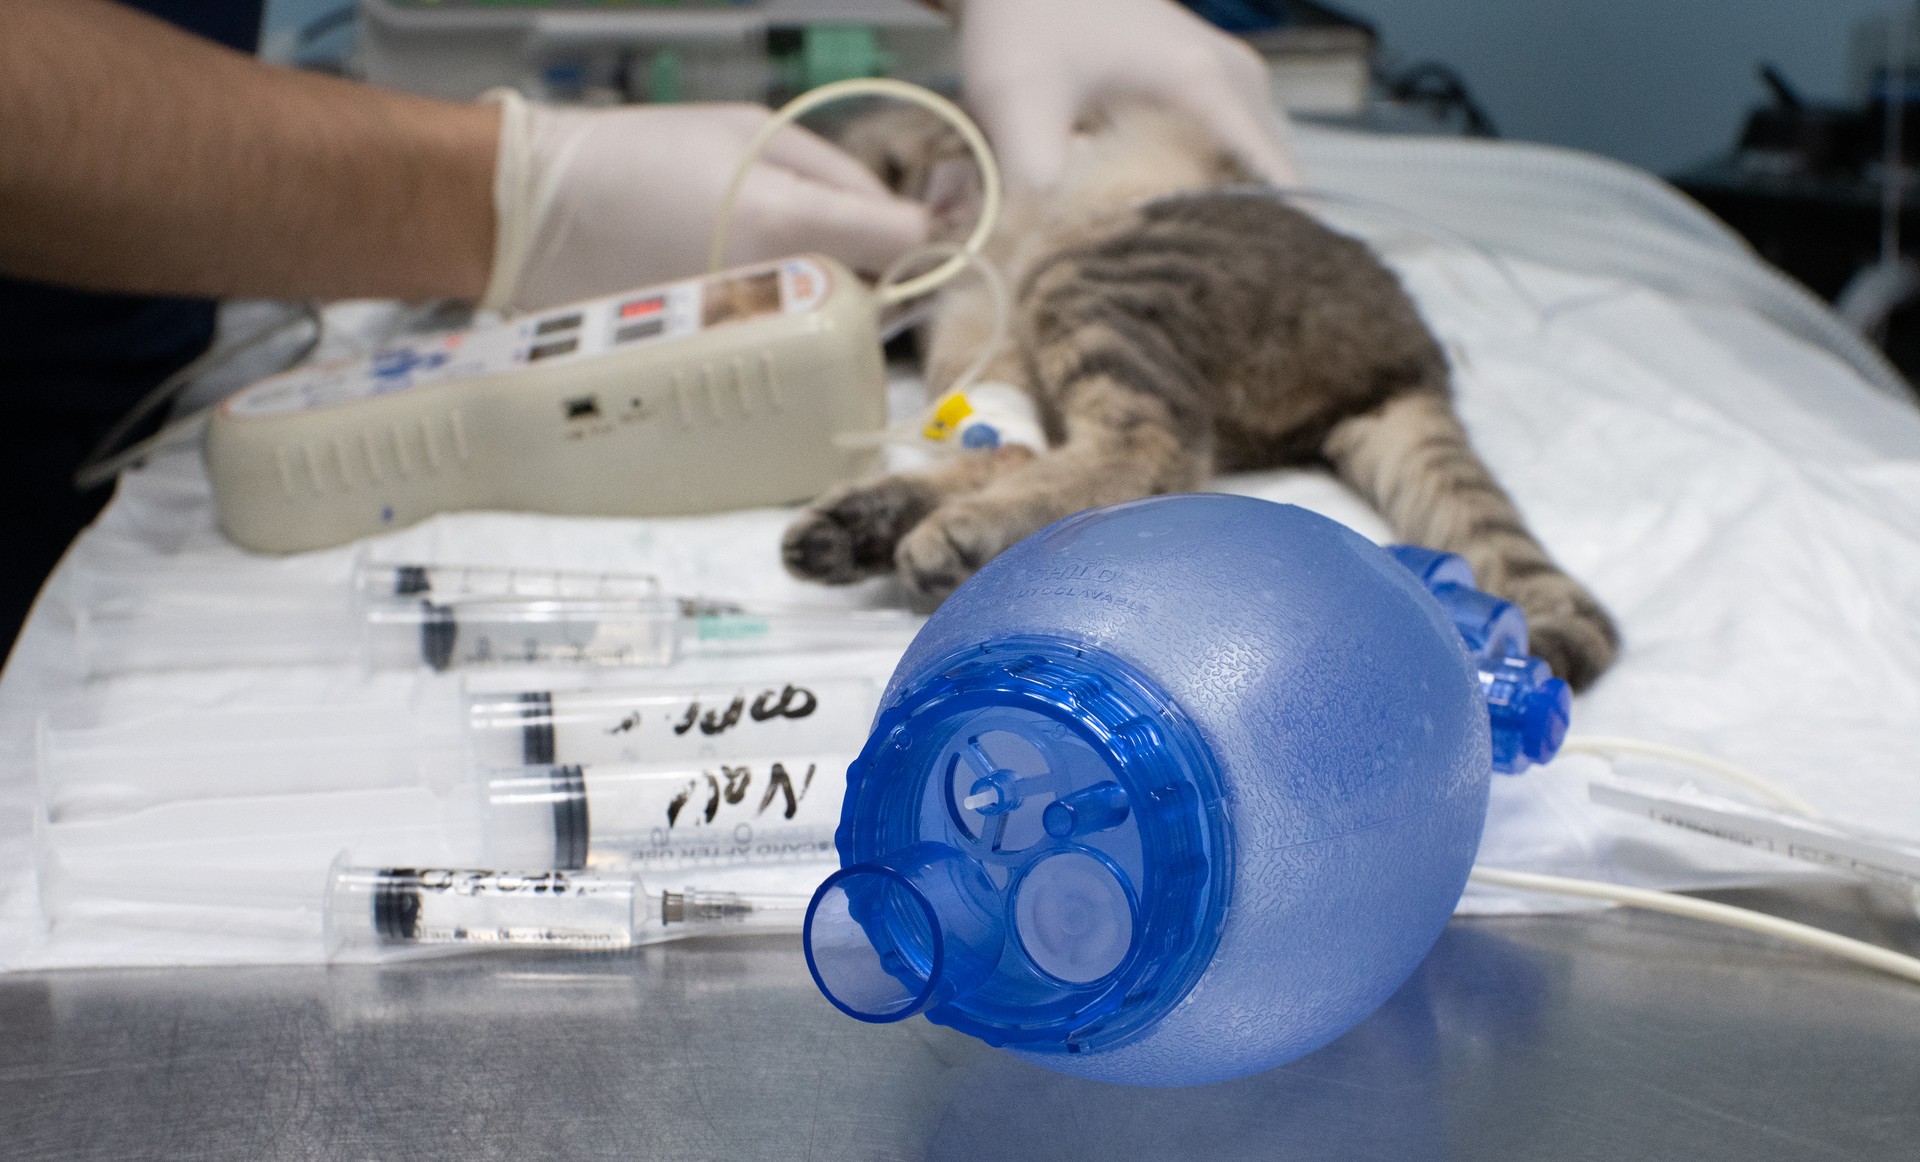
(566, 335)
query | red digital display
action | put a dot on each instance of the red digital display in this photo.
(641, 308)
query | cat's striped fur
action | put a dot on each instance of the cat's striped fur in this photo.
(1167, 338)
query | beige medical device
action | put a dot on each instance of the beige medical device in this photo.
(716, 393)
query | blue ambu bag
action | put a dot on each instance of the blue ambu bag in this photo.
(1168, 793)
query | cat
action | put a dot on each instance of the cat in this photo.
(1172, 320)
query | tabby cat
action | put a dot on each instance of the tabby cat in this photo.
(1171, 321)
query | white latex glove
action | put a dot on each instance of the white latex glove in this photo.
(1033, 67)
(592, 202)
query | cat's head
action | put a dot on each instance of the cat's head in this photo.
(919, 157)
(1123, 153)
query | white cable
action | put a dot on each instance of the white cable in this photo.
(996, 284)
(181, 431)
(1858, 951)
(910, 434)
(1608, 746)
(515, 211)
(883, 87)
(105, 464)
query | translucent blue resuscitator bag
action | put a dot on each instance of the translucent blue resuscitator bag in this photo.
(1176, 791)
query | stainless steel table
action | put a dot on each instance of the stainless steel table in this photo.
(1605, 1037)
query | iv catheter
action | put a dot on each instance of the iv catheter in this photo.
(383, 911)
(454, 617)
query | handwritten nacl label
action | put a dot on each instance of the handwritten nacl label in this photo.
(752, 809)
(701, 727)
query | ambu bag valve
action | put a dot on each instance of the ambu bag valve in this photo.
(1175, 791)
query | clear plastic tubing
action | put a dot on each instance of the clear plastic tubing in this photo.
(377, 912)
(1174, 791)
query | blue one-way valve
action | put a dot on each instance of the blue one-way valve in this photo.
(1528, 708)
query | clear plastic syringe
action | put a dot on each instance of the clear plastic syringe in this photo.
(449, 617)
(95, 762)
(376, 912)
(646, 632)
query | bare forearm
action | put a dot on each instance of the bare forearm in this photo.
(134, 157)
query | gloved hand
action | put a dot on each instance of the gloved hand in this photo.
(1033, 67)
(591, 202)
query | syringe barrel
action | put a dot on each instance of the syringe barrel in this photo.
(375, 581)
(414, 631)
(374, 913)
(394, 614)
(666, 776)
(447, 617)
(371, 912)
(738, 811)
(669, 776)
(779, 713)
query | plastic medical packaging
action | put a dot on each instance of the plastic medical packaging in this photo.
(1887, 860)
(1172, 792)
(378, 912)
(448, 617)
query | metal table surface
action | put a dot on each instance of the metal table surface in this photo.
(1603, 1037)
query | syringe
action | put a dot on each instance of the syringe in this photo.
(637, 632)
(445, 617)
(375, 912)
(422, 732)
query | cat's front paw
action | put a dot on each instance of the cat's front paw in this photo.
(850, 533)
(1580, 647)
(946, 549)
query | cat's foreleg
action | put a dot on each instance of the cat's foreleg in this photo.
(1121, 445)
(1411, 458)
(851, 532)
